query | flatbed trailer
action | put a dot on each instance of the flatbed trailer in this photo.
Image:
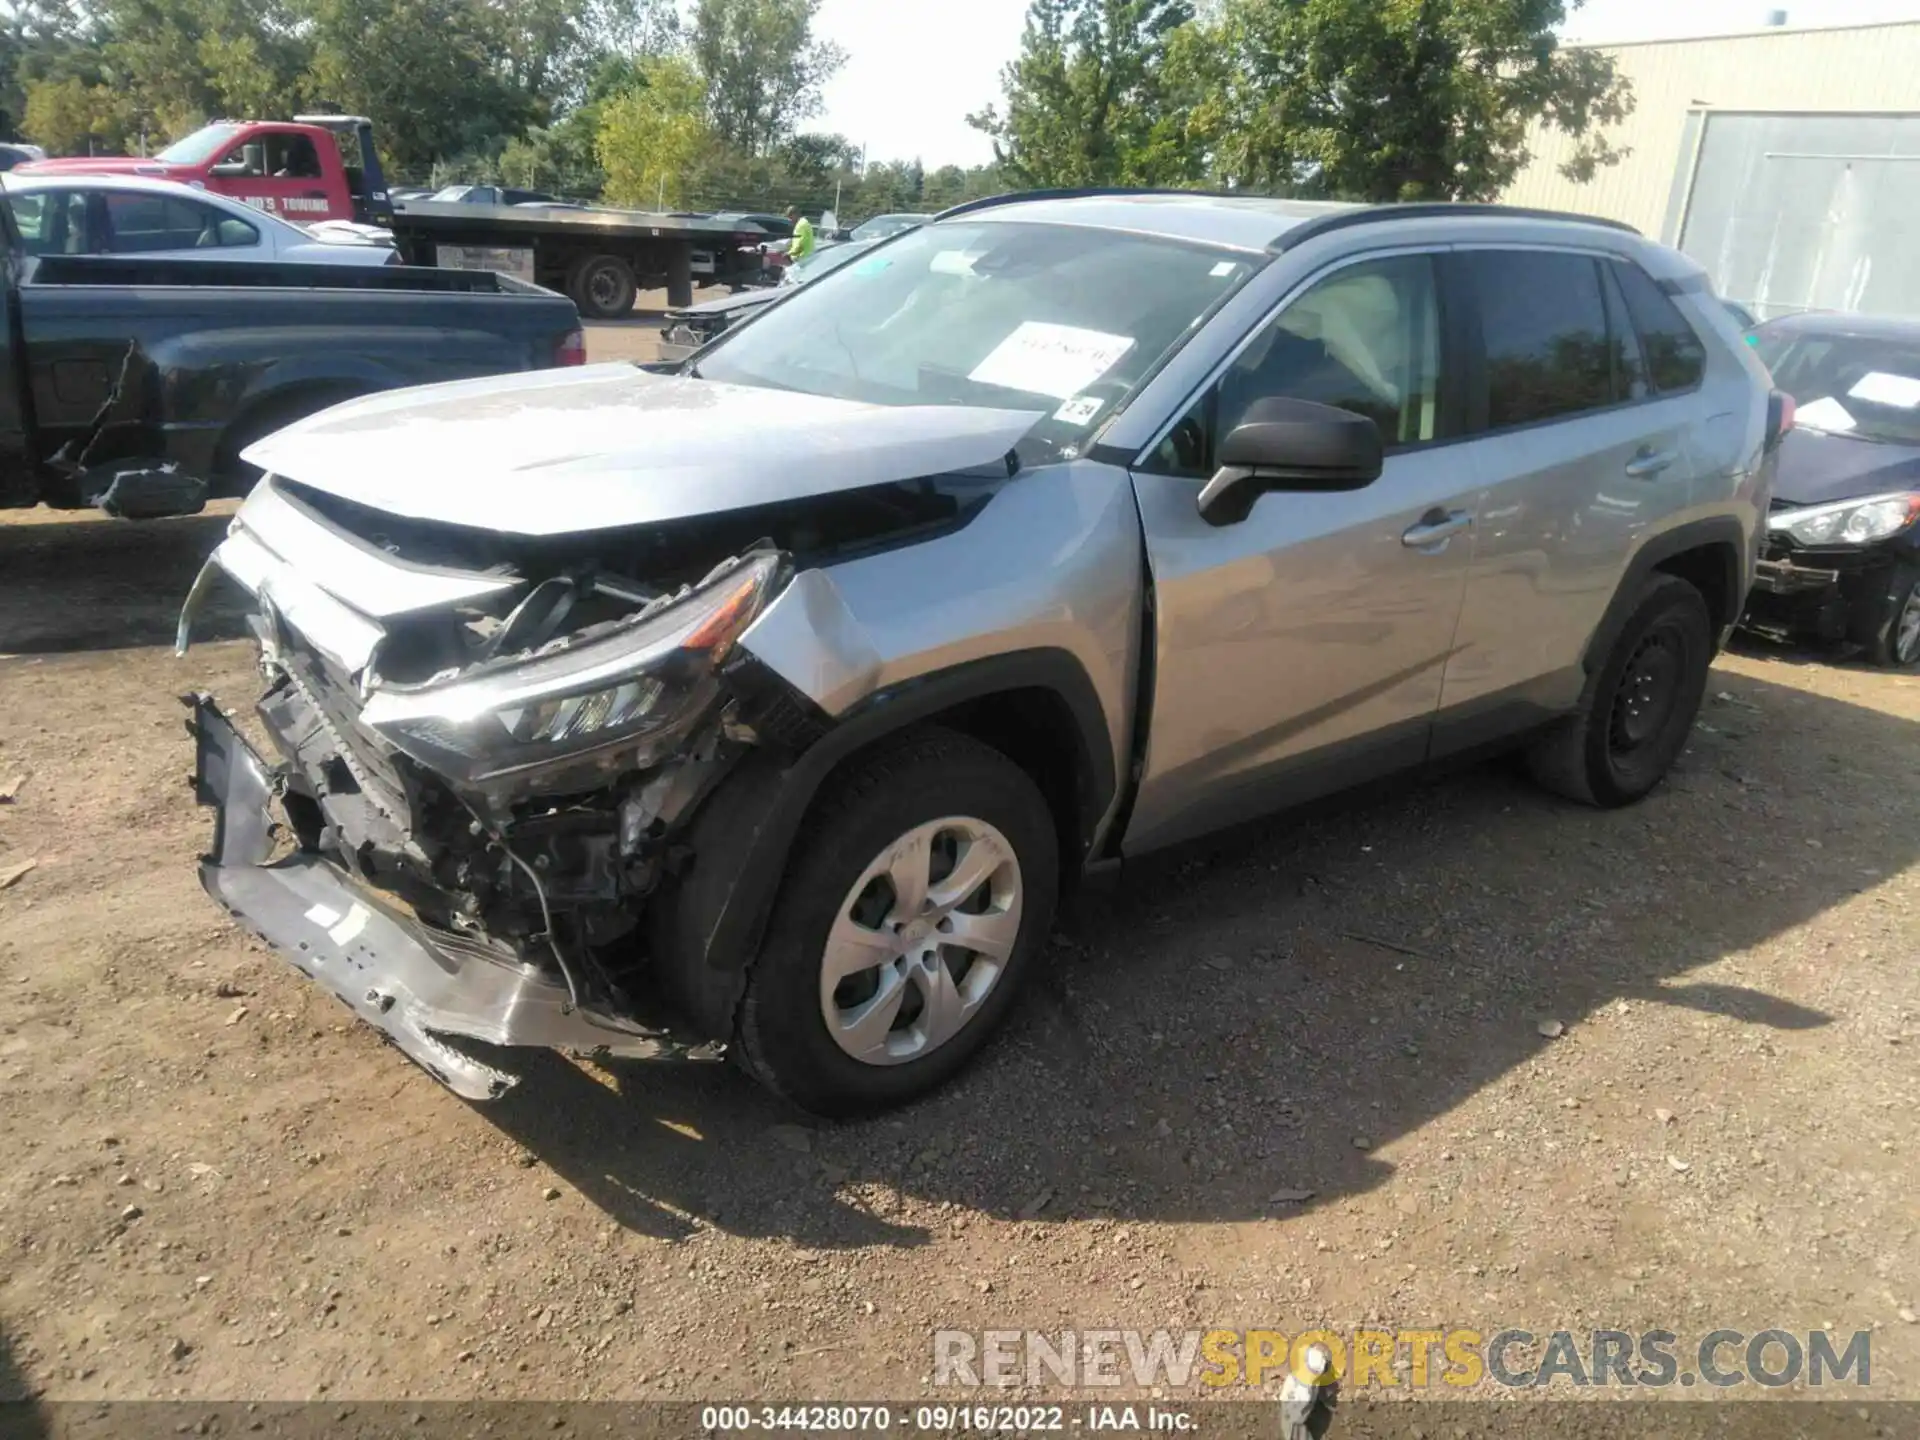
(601, 258)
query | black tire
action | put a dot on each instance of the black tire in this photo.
(1879, 634)
(781, 1034)
(1639, 704)
(602, 287)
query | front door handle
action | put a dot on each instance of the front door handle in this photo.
(1436, 527)
(1649, 463)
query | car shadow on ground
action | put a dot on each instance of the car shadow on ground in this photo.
(79, 581)
(1804, 654)
(1237, 1017)
(21, 1417)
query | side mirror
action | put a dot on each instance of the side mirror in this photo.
(1284, 444)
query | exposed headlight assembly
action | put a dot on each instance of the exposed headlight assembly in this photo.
(1849, 522)
(636, 688)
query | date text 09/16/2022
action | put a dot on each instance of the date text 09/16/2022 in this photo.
(948, 1419)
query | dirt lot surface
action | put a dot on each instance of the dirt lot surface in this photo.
(1456, 1054)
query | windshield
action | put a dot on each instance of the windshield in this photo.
(820, 262)
(1867, 388)
(199, 147)
(1062, 320)
(881, 226)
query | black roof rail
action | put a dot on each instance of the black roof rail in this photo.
(1337, 220)
(1087, 192)
(1433, 210)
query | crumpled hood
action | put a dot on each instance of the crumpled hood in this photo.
(566, 451)
(1816, 468)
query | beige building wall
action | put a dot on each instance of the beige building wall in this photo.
(1855, 68)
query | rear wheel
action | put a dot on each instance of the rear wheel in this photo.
(922, 887)
(603, 287)
(1891, 635)
(1639, 705)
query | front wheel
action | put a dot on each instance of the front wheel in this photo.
(1891, 635)
(1639, 705)
(923, 886)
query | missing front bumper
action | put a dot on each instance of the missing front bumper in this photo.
(417, 988)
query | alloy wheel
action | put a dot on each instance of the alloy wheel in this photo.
(920, 941)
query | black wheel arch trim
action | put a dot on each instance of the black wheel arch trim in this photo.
(1715, 532)
(711, 916)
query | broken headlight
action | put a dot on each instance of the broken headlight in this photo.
(638, 686)
(1849, 522)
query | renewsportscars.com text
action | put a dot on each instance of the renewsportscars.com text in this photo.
(1459, 1359)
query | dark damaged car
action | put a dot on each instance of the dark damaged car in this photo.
(1843, 541)
(766, 705)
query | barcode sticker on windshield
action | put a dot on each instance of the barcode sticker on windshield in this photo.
(1045, 359)
(1879, 388)
(1079, 410)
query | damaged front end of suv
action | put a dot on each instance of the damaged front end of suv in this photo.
(487, 746)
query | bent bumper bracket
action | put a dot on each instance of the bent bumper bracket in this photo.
(411, 985)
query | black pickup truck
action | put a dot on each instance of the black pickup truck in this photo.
(136, 384)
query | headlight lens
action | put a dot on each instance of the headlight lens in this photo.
(639, 685)
(578, 716)
(1849, 522)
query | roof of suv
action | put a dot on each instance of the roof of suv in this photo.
(1242, 222)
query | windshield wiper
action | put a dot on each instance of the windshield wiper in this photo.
(1845, 434)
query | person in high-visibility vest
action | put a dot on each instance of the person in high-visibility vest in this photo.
(802, 245)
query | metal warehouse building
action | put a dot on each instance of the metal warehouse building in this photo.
(1786, 161)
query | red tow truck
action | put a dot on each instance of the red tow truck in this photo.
(318, 167)
(325, 167)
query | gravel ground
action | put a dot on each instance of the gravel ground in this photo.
(1446, 1054)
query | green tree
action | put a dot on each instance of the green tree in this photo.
(1088, 102)
(40, 40)
(815, 157)
(763, 66)
(70, 117)
(436, 76)
(1392, 99)
(651, 137)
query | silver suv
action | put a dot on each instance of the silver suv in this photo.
(765, 704)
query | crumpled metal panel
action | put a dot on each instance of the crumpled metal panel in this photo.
(419, 991)
(609, 446)
(372, 582)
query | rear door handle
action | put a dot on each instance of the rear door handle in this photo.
(1649, 463)
(1436, 527)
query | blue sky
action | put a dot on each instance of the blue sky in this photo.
(917, 68)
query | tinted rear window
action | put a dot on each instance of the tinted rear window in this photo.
(1675, 357)
(1544, 323)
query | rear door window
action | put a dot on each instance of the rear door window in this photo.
(1543, 321)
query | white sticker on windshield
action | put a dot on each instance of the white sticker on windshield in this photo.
(1046, 359)
(1223, 269)
(1900, 391)
(951, 262)
(1824, 414)
(1080, 409)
